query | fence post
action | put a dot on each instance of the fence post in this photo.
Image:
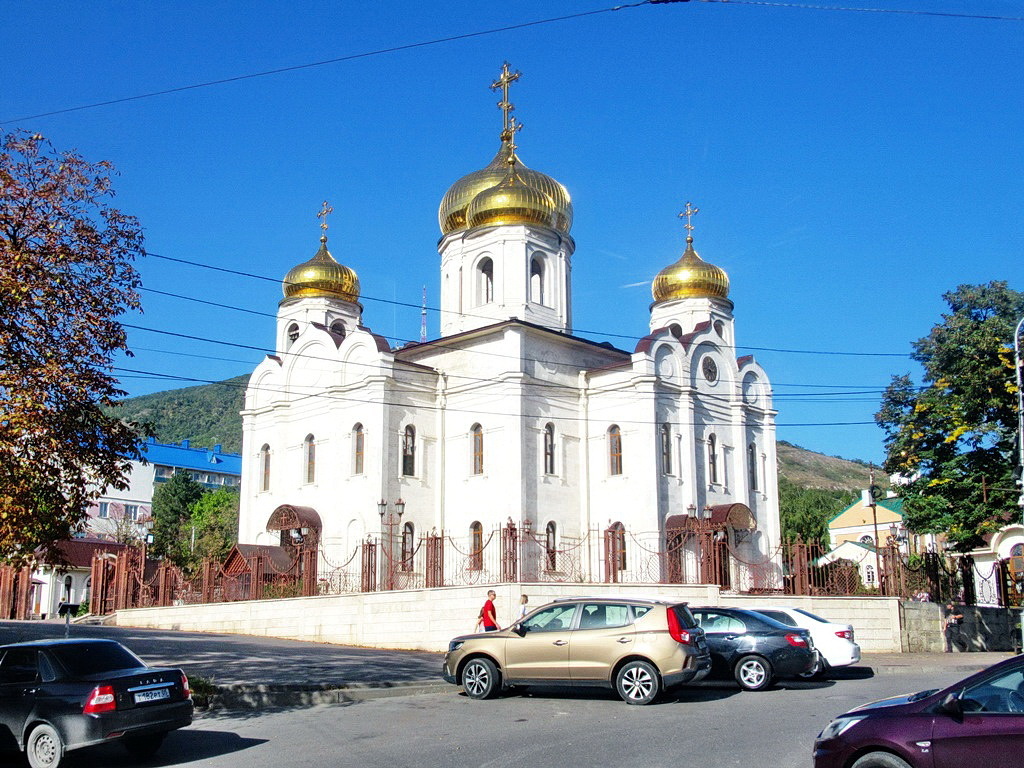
(368, 580)
(510, 553)
(435, 561)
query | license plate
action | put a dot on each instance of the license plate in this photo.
(154, 695)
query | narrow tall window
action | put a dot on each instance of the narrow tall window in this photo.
(476, 546)
(549, 449)
(293, 334)
(477, 434)
(265, 467)
(614, 450)
(486, 281)
(409, 451)
(309, 455)
(408, 546)
(752, 465)
(666, 449)
(358, 449)
(550, 544)
(618, 541)
(536, 281)
(712, 459)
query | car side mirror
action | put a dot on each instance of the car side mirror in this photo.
(520, 629)
(951, 705)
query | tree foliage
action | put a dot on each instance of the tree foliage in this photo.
(172, 515)
(66, 276)
(215, 521)
(957, 434)
(805, 512)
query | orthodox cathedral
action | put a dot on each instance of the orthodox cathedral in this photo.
(508, 417)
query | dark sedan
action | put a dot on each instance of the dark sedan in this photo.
(977, 721)
(754, 649)
(59, 695)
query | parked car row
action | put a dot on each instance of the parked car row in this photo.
(640, 647)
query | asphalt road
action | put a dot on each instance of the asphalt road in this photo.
(708, 724)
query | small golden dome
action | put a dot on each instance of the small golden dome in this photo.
(690, 277)
(321, 276)
(453, 213)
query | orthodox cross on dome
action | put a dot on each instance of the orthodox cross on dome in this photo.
(688, 213)
(324, 212)
(503, 82)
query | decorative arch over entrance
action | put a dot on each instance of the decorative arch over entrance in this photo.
(298, 525)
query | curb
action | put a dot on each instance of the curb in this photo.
(259, 696)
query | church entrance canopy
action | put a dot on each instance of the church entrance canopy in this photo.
(736, 516)
(302, 523)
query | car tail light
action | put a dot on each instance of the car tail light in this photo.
(186, 692)
(676, 630)
(846, 634)
(101, 699)
(797, 641)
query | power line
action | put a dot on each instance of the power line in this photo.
(856, 9)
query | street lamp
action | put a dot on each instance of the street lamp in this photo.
(390, 522)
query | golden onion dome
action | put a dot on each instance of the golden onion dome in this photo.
(690, 277)
(453, 213)
(512, 201)
(321, 276)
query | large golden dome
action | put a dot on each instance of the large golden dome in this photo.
(690, 277)
(512, 201)
(453, 213)
(321, 276)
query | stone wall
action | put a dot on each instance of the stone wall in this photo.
(427, 619)
(984, 628)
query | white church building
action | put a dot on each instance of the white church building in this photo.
(508, 419)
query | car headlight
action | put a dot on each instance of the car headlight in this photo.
(454, 645)
(838, 727)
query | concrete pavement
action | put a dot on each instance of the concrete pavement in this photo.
(260, 672)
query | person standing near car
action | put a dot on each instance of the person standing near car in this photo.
(523, 608)
(952, 628)
(487, 617)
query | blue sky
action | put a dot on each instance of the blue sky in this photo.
(850, 167)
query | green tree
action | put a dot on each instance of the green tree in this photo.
(66, 277)
(805, 512)
(956, 435)
(172, 514)
(215, 523)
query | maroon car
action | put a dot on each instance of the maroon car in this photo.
(978, 721)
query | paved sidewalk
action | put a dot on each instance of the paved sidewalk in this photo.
(259, 672)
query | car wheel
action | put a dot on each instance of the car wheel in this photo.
(142, 747)
(44, 748)
(753, 673)
(817, 671)
(638, 682)
(480, 679)
(881, 760)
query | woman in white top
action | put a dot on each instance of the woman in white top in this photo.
(523, 600)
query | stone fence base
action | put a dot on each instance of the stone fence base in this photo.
(984, 628)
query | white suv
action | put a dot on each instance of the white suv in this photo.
(834, 642)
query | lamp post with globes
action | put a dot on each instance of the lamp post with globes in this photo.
(390, 521)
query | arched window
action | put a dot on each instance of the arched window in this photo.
(752, 465)
(867, 540)
(536, 281)
(293, 333)
(550, 546)
(264, 468)
(617, 545)
(486, 270)
(309, 458)
(358, 449)
(476, 546)
(1017, 550)
(614, 450)
(338, 328)
(712, 459)
(409, 451)
(666, 449)
(869, 572)
(408, 546)
(549, 449)
(477, 440)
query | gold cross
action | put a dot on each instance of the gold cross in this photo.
(327, 209)
(503, 82)
(688, 213)
(509, 137)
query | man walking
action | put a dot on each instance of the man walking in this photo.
(952, 629)
(487, 615)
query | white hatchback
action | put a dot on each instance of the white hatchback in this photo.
(834, 642)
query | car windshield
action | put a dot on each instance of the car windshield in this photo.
(83, 659)
(810, 615)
